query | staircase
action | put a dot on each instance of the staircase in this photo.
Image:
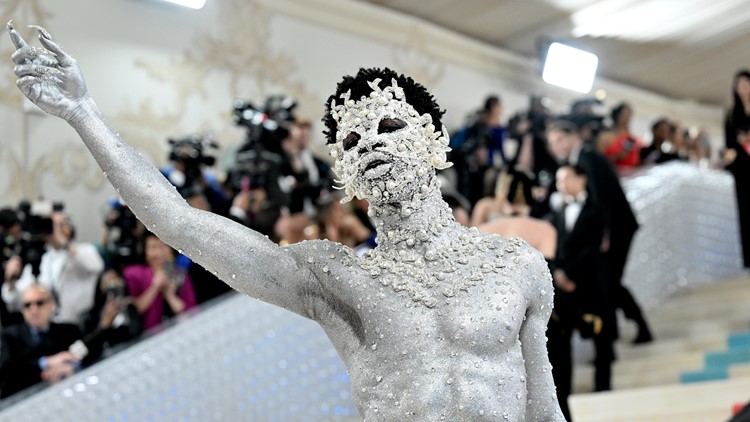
(697, 369)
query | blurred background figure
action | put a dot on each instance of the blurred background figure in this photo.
(38, 349)
(10, 248)
(584, 114)
(338, 224)
(501, 204)
(620, 146)
(534, 166)
(620, 222)
(478, 147)
(662, 149)
(579, 270)
(114, 319)
(188, 172)
(121, 237)
(304, 176)
(736, 156)
(160, 288)
(67, 268)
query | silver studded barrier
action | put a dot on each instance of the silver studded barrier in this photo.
(240, 360)
(243, 360)
(689, 232)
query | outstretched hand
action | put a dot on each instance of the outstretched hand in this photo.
(48, 76)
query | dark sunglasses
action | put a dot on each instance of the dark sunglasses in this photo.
(39, 303)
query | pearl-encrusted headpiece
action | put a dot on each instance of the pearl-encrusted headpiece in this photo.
(418, 144)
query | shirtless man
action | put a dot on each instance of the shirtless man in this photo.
(439, 322)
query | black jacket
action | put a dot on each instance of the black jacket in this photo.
(19, 358)
(579, 255)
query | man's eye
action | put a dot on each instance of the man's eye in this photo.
(351, 141)
(390, 125)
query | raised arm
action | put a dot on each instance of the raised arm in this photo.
(244, 259)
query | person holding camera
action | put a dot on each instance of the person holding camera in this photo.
(68, 269)
(10, 244)
(160, 289)
(187, 171)
(114, 319)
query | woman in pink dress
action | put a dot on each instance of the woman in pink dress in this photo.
(159, 289)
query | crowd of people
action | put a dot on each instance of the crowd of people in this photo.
(551, 180)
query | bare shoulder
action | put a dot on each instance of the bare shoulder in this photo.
(319, 248)
(528, 264)
(322, 257)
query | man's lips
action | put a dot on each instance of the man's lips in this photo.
(373, 160)
(375, 163)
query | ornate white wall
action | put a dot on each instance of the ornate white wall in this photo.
(158, 70)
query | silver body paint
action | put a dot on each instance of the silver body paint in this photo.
(439, 322)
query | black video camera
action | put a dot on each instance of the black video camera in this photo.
(36, 227)
(191, 152)
(123, 241)
(267, 125)
(259, 158)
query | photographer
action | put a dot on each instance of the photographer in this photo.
(303, 175)
(120, 239)
(113, 319)
(478, 148)
(68, 269)
(10, 234)
(256, 177)
(10, 243)
(187, 171)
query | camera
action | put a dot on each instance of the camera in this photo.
(258, 160)
(585, 115)
(190, 152)
(266, 125)
(114, 286)
(123, 241)
(36, 226)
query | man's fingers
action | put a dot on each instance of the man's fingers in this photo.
(22, 70)
(42, 32)
(15, 37)
(26, 83)
(62, 56)
(37, 55)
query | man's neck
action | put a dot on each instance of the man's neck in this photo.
(407, 226)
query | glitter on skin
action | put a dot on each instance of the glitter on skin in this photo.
(439, 322)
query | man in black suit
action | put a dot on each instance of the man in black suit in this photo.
(579, 273)
(37, 349)
(620, 222)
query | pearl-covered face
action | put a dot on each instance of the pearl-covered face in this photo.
(385, 151)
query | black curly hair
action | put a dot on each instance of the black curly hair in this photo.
(415, 94)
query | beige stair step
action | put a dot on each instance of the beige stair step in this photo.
(715, 340)
(701, 402)
(736, 323)
(643, 372)
(702, 311)
(739, 371)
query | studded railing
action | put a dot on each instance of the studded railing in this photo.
(241, 360)
(689, 232)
